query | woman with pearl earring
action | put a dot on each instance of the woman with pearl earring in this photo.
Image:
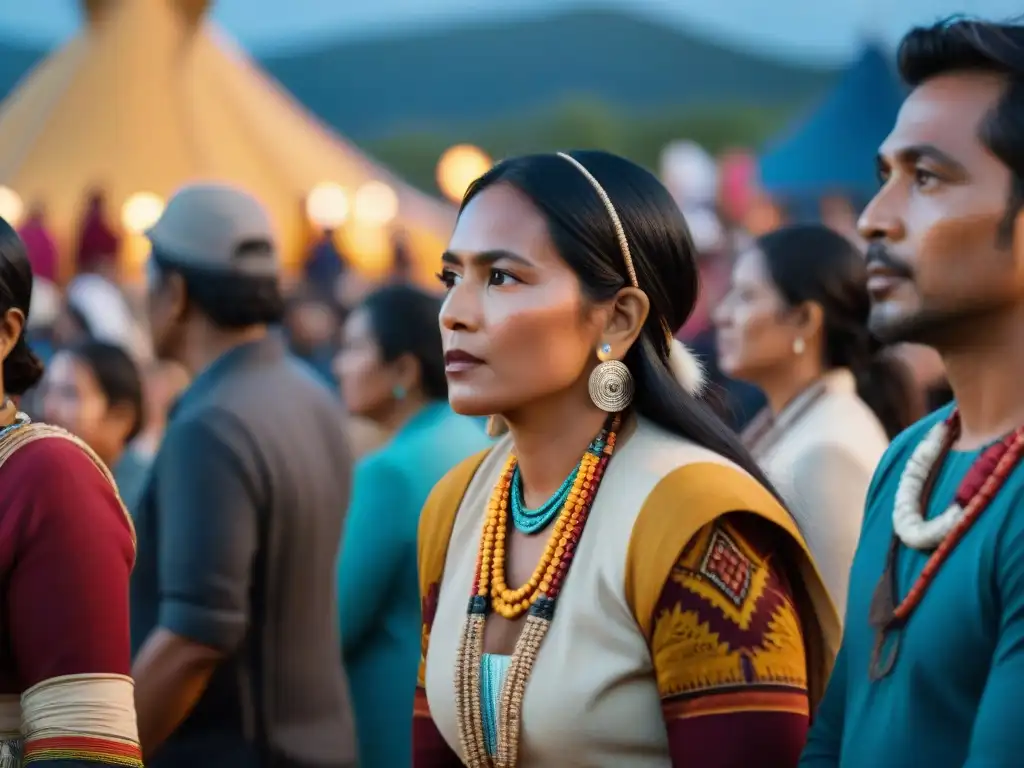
(794, 323)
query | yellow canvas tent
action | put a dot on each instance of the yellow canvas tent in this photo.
(150, 96)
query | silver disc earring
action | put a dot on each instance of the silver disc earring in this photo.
(611, 384)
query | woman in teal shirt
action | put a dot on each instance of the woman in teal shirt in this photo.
(391, 371)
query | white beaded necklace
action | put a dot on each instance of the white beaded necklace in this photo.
(908, 520)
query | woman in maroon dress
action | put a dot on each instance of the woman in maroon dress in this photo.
(66, 551)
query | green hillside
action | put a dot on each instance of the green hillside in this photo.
(494, 71)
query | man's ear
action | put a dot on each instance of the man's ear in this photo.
(177, 295)
(625, 320)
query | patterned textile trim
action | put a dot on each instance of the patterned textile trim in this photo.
(707, 491)
(91, 714)
(725, 622)
(683, 708)
(85, 748)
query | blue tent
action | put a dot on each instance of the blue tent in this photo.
(832, 150)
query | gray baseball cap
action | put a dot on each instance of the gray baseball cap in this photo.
(216, 227)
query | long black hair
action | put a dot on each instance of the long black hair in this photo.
(22, 369)
(812, 263)
(403, 320)
(663, 256)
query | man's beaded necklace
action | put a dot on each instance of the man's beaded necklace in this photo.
(537, 599)
(986, 477)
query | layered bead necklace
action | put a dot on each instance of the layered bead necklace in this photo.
(940, 534)
(536, 598)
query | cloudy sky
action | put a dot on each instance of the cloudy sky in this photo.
(801, 29)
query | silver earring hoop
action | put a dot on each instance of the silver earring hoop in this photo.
(798, 346)
(611, 386)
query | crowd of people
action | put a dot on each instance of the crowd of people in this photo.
(562, 536)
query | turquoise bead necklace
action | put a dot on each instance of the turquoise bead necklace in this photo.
(528, 520)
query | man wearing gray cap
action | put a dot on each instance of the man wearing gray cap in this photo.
(233, 599)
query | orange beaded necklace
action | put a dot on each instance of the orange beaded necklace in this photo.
(536, 598)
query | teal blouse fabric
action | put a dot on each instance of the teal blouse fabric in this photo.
(952, 699)
(493, 671)
(378, 588)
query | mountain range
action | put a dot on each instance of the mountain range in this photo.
(388, 86)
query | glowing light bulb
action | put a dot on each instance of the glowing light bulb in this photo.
(141, 211)
(327, 205)
(459, 167)
(11, 206)
(375, 204)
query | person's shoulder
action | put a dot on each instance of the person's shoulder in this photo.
(50, 455)
(57, 478)
(651, 453)
(846, 415)
(202, 422)
(381, 467)
(899, 450)
(305, 376)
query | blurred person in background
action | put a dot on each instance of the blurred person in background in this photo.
(736, 402)
(94, 390)
(311, 324)
(401, 257)
(391, 368)
(66, 551)
(795, 324)
(234, 597)
(98, 241)
(96, 308)
(324, 265)
(42, 250)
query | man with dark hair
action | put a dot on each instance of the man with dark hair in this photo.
(932, 660)
(233, 598)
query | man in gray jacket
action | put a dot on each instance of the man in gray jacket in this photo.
(233, 599)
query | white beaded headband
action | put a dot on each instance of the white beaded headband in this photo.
(685, 366)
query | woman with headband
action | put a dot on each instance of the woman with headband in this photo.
(613, 582)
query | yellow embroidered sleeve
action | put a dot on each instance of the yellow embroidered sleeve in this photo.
(726, 634)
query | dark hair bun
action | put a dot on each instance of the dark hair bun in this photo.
(22, 369)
